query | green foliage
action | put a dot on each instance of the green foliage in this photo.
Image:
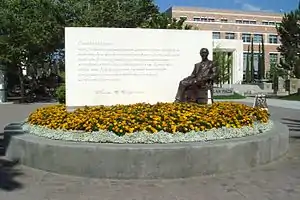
(252, 62)
(116, 13)
(223, 60)
(288, 33)
(164, 21)
(248, 72)
(263, 58)
(32, 31)
(234, 96)
(60, 94)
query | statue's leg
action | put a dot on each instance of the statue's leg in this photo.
(181, 90)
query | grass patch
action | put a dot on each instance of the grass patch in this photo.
(292, 97)
(234, 96)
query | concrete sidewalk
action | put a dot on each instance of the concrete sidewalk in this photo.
(270, 102)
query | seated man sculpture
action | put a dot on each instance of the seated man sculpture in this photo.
(202, 77)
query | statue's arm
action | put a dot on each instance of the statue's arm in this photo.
(194, 71)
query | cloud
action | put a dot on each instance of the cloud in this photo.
(249, 7)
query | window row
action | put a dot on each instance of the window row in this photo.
(237, 21)
(273, 59)
(246, 37)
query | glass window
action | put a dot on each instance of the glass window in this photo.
(183, 18)
(257, 38)
(252, 22)
(224, 20)
(196, 18)
(230, 36)
(239, 21)
(273, 58)
(272, 23)
(216, 35)
(204, 19)
(246, 37)
(246, 22)
(211, 19)
(265, 23)
(273, 39)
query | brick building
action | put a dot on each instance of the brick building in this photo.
(238, 25)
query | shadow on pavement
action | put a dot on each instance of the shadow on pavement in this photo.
(293, 124)
(8, 174)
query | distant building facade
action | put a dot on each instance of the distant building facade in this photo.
(236, 25)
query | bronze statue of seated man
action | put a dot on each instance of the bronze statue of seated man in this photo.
(202, 77)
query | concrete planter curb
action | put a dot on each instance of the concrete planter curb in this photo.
(145, 161)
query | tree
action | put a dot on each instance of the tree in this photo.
(31, 31)
(263, 63)
(248, 72)
(164, 21)
(289, 34)
(259, 70)
(223, 60)
(117, 13)
(252, 62)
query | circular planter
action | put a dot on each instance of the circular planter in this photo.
(145, 161)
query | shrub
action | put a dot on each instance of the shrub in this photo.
(168, 117)
(60, 94)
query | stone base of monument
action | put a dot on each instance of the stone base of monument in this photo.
(145, 161)
(199, 95)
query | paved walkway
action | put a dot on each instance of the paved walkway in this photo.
(273, 102)
(276, 181)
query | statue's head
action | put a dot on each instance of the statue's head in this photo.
(204, 53)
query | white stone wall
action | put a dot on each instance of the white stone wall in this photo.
(107, 66)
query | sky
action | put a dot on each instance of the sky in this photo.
(249, 5)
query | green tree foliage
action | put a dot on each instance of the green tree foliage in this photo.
(248, 72)
(263, 59)
(164, 21)
(223, 60)
(289, 34)
(252, 62)
(32, 31)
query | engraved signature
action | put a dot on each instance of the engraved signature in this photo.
(125, 92)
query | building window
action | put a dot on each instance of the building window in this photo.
(255, 59)
(269, 23)
(273, 39)
(211, 19)
(246, 22)
(239, 21)
(223, 20)
(216, 35)
(272, 23)
(278, 23)
(203, 19)
(246, 37)
(230, 36)
(252, 22)
(183, 17)
(257, 38)
(273, 58)
(196, 18)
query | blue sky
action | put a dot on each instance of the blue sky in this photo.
(250, 5)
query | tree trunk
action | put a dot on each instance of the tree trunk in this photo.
(22, 86)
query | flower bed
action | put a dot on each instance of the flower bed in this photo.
(166, 117)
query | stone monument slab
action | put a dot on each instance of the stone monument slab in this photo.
(107, 66)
